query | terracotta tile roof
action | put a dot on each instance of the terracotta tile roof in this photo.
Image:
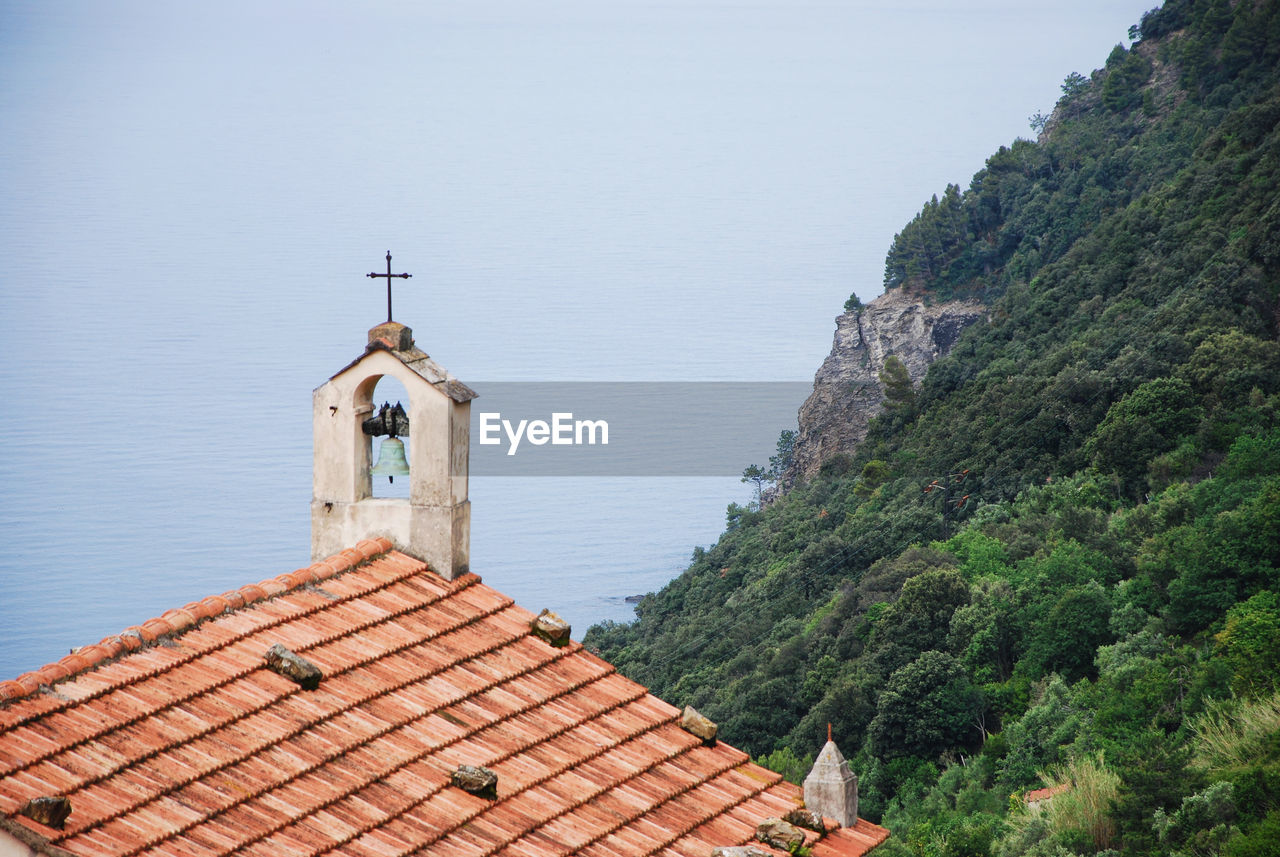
(175, 738)
(1045, 794)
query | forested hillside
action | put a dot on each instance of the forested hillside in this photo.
(1057, 559)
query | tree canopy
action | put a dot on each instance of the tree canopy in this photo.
(1102, 612)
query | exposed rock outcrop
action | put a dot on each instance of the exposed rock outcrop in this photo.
(847, 391)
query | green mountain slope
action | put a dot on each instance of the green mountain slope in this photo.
(1089, 593)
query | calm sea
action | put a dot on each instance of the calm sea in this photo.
(584, 191)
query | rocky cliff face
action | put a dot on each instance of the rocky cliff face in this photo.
(847, 391)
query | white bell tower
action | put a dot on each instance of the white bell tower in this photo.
(434, 523)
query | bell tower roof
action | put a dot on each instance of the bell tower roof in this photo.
(396, 339)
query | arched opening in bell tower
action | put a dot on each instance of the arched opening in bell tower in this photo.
(380, 449)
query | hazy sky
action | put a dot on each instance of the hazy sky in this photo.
(621, 190)
(604, 168)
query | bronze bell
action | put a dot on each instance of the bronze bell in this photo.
(391, 460)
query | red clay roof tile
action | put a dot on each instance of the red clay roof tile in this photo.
(174, 738)
(1046, 793)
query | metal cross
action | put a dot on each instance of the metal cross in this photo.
(389, 275)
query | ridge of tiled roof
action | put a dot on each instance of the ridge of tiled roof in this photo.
(176, 621)
(194, 747)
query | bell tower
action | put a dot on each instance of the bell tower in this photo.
(434, 523)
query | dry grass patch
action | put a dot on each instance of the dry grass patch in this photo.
(1234, 733)
(1084, 805)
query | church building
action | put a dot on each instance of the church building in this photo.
(383, 701)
